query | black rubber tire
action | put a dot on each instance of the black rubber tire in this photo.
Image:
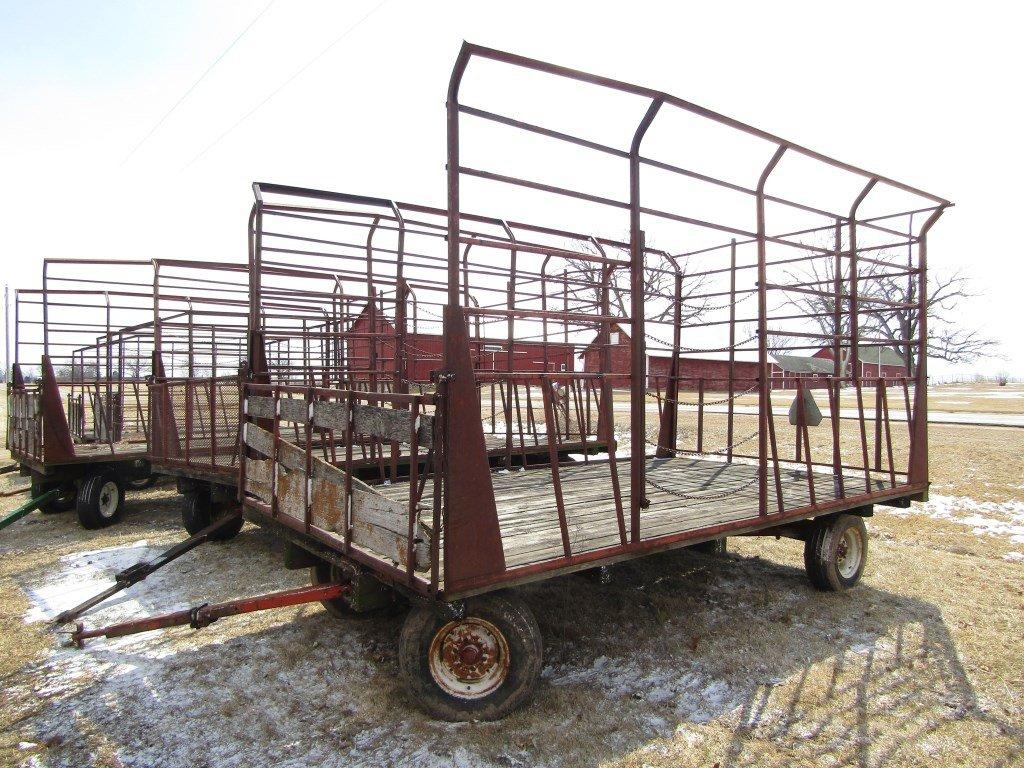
(95, 491)
(822, 551)
(507, 614)
(197, 512)
(328, 573)
(712, 547)
(142, 483)
(65, 502)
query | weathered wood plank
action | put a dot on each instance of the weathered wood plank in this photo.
(378, 523)
(529, 523)
(258, 478)
(291, 492)
(260, 406)
(330, 415)
(294, 409)
(388, 424)
(291, 456)
(259, 439)
(326, 504)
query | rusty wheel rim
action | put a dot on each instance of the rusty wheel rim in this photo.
(849, 554)
(469, 658)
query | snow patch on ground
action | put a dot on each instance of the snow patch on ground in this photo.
(290, 688)
(693, 696)
(81, 575)
(991, 518)
(992, 394)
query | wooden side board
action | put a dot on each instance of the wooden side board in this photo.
(377, 522)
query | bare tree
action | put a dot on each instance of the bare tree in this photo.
(585, 281)
(895, 318)
(949, 338)
(819, 303)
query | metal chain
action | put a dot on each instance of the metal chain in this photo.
(719, 452)
(428, 312)
(704, 497)
(725, 399)
(718, 306)
(422, 352)
(650, 337)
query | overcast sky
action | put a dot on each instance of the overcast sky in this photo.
(925, 93)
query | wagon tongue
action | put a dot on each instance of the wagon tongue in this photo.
(136, 573)
(203, 615)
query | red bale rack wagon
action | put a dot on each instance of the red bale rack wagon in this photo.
(78, 421)
(726, 227)
(454, 532)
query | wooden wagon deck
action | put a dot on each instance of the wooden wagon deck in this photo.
(686, 494)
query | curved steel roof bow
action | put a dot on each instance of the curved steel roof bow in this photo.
(927, 202)
(471, 50)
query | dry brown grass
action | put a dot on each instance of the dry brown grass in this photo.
(947, 398)
(682, 660)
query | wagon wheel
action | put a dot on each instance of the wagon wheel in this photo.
(142, 483)
(100, 500)
(199, 511)
(64, 502)
(836, 552)
(478, 667)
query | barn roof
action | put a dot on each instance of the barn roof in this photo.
(871, 355)
(800, 364)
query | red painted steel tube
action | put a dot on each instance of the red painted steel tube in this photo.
(638, 361)
(762, 335)
(556, 480)
(919, 443)
(204, 615)
(470, 50)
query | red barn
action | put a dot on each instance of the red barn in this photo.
(872, 360)
(621, 347)
(424, 351)
(784, 371)
(715, 373)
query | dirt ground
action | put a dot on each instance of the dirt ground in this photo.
(681, 660)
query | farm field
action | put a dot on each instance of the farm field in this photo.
(680, 660)
(946, 398)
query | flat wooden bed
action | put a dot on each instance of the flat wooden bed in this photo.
(685, 494)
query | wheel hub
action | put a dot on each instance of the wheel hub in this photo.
(848, 554)
(108, 499)
(469, 658)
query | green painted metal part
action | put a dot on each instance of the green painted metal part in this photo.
(29, 506)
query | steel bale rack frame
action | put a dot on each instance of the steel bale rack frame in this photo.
(455, 529)
(81, 427)
(200, 311)
(454, 532)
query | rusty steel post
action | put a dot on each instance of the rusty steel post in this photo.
(854, 354)
(731, 416)
(638, 362)
(764, 401)
(918, 474)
